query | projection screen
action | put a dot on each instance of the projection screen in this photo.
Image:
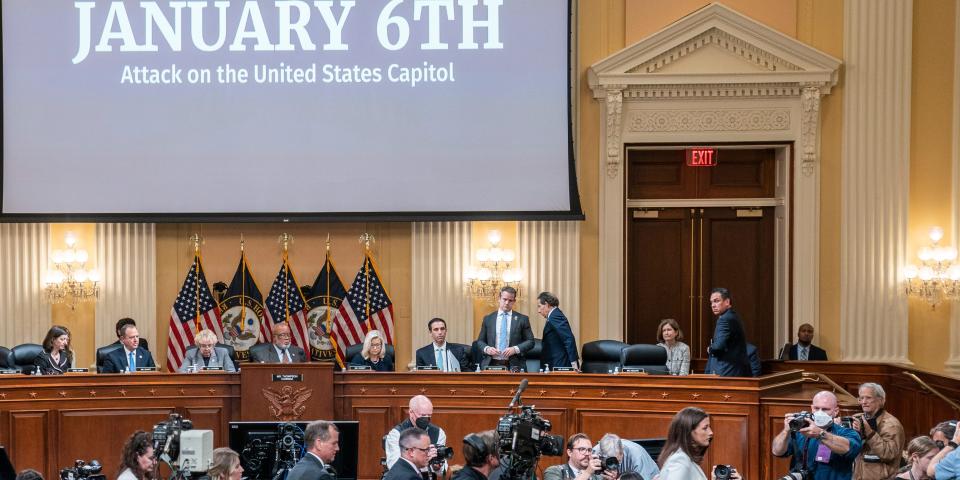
(287, 110)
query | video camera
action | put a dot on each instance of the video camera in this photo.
(184, 449)
(524, 438)
(288, 449)
(82, 470)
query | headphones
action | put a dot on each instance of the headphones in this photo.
(478, 444)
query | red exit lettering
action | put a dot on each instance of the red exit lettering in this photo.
(701, 157)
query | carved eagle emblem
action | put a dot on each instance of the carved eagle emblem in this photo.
(287, 403)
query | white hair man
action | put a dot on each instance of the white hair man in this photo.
(882, 435)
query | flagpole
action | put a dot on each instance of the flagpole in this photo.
(326, 265)
(243, 285)
(285, 242)
(196, 274)
(366, 239)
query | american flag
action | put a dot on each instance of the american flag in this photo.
(286, 303)
(183, 315)
(366, 296)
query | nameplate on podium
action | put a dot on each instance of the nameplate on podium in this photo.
(146, 369)
(211, 369)
(633, 370)
(354, 368)
(78, 370)
(427, 367)
(9, 372)
(287, 377)
(496, 368)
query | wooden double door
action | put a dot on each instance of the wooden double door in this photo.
(675, 256)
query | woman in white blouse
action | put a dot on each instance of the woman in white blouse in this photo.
(678, 353)
(688, 439)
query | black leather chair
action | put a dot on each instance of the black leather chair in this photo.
(4, 354)
(231, 352)
(651, 358)
(103, 353)
(353, 350)
(601, 356)
(22, 357)
(468, 349)
(259, 350)
(533, 357)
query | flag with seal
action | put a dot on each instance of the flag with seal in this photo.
(242, 312)
(323, 301)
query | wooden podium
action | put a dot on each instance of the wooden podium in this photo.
(291, 392)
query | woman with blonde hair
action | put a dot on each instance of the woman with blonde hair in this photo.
(374, 353)
(919, 452)
(57, 356)
(225, 465)
(670, 337)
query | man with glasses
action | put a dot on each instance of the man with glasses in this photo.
(630, 456)
(414, 445)
(582, 463)
(282, 351)
(505, 336)
(207, 354)
(420, 412)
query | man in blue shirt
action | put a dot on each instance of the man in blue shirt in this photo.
(946, 465)
(823, 448)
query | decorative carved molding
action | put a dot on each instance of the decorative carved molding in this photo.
(720, 39)
(287, 403)
(726, 120)
(712, 90)
(614, 120)
(809, 127)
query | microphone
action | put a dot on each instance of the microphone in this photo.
(516, 396)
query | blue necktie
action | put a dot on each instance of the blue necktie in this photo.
(440, 360)
(130, 365)
(502, 337)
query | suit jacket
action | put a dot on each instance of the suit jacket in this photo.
(427, 356)
(729, 346)
(559, 347)
(219, 358)
(117, 360)
(402, 471)
(269, 354)
(48, 367)
(309, 468)
(521, 336)
(816, 353)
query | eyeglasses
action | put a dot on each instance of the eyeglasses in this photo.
(424, 450)
(583, 449)
(282, 335)
(206, 346)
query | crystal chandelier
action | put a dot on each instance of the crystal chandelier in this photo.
(938, 277)
(492, 272)
(69, 281)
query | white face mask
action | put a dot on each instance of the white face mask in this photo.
(822, 419)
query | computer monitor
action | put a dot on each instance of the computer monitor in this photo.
(258, 442)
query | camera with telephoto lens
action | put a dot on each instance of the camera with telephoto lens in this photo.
(722, 472)
(608, 464)
(799, 420)
(444, 453)
(81, 469)
(796, 476)
(523, 439)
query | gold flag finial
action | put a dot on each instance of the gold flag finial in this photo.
(196, 240)
(285, 240)
(241, 242)
(328, 242)
(367, 239)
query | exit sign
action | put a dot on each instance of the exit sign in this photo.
(702, 157)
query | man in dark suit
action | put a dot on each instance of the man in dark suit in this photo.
(505, 336)
(280, 351)
(804, 349)
(131, 356)
(322, 440)
(729, 345)
(119, 328)
(445, 356)
(559, 346)
(414, 446)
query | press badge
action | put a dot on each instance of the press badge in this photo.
(823, 454)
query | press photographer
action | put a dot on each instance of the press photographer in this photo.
(631, 458)
(482, 455)
(820, 449)
(882, 434)
(688, 438)
(414, 447)
(82, 471)
(581, 464)
(420, 413)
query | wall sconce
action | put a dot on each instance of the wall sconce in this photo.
(938, 277)
(493, 271)
(70, 281)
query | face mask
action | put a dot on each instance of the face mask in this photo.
(822, 419)
(422, 422)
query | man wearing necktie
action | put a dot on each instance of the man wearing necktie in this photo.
(281, 350)
(447, 357)
(505, 336)
(804, 349)
(130, 356)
